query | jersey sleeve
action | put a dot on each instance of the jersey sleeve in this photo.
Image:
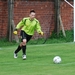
(38, 27)
(20, 24)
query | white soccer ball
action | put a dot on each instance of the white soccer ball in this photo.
(57, 59)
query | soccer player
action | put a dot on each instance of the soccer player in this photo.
(28, 26)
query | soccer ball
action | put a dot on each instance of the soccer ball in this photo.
(57, 60)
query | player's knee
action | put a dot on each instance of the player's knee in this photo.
(24, 42)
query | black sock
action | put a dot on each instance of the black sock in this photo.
(24, 50)
(18, 49)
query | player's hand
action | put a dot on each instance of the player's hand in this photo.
(15, 32)
(41, 33)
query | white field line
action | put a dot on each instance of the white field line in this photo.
(68, 63)
(36, 45)
(0, 48)
(64, 64)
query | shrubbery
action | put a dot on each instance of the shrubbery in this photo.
(52, 39)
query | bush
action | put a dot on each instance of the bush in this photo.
(52, 39)
(68, 38)
(5, 42)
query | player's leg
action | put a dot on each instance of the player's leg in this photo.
(16, 51)
(18, 48)
(24, 48)
(25, 39)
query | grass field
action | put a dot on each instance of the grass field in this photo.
(39, 60)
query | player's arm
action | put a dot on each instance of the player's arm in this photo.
(19, 25)
(38, 28)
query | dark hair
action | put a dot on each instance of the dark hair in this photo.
(32, 11)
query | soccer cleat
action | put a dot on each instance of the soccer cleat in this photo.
(15, 55)
(24, 57)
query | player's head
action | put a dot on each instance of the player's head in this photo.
(32, 14)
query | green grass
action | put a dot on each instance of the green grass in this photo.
(39, 60)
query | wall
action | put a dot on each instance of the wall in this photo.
(3, 18)
(44, 13)
(67, 15)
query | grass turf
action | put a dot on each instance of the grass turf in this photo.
(39, 60)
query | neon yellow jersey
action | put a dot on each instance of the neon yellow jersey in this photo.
(29, 26)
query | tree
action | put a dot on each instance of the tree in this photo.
(57, 12)
(10, 18)
(58, 20)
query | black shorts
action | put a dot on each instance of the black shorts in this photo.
(25, 36)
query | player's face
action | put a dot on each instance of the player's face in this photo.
(32, 15)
